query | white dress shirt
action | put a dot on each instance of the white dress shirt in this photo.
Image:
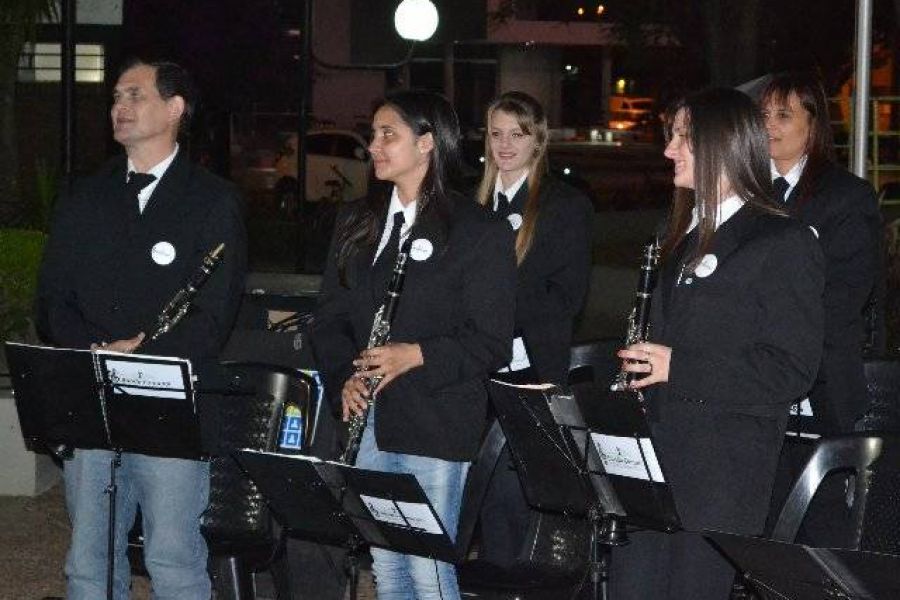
(158, 171)
(409, 216)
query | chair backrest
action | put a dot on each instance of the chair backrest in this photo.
(875, 515)
(237, 513)
(476, 487)
(594, 361)
(883, 397)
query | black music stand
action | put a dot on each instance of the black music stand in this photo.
(780, 570)
(332, 503)
(588, 455)
(105, 401)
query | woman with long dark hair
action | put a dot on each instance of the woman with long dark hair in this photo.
(452, 327)
(736, 336)
(552, 222)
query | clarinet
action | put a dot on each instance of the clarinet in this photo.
(379, 336)
(639, 319)
(181, 302)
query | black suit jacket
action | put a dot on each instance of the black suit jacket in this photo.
(454, 305)
(843, 210)
(98, 282)
(553, 280)
(746, 341)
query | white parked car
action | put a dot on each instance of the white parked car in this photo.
(337, 168)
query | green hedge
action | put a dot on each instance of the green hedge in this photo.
(20, 258)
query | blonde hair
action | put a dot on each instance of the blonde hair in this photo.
(531, 119)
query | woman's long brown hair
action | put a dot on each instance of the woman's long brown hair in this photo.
(728, 139)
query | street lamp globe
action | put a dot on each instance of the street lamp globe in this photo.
(416, 20)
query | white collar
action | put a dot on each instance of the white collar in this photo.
(511, 191)
(159, 169)
(724, 211)
(395, 206)
(792, 176)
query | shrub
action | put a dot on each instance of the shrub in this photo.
(20, 258)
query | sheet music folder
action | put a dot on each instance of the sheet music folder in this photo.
(606, 433)
(781, 570)
(95, 399)
(329, 502)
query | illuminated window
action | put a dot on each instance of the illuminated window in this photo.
(41, 62)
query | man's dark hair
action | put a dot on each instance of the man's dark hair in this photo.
(171, 80)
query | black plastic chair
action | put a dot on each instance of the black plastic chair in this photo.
(551, 554)
(874, 460)
(594, 361)
(237, 523)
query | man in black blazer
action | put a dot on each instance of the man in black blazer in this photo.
(123, 242)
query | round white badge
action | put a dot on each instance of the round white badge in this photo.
(515, 219)
(421, 249)
(706, 266)
(162, 253)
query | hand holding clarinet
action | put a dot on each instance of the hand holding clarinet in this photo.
(174, 310)
(640, 356)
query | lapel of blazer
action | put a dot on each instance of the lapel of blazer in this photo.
(113, 193)
(518, 201)
(728, 239)
(169, 194)
(426, 228)
(732, 232)
(364, 260)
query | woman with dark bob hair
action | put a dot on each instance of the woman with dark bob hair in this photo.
(843, 210)
(736, 336)
(452, 327)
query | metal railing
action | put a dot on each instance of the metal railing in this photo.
(876, 167)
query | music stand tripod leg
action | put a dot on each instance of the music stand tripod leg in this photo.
(114, 464)
(606, 533)
(354, 546)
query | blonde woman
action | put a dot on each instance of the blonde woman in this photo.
(552, 223)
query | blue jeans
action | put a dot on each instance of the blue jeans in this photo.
(402, 576)
(172, 493)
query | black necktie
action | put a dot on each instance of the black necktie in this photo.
(384, 264)
(135, 183)
(503, 205)
(781, 186)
